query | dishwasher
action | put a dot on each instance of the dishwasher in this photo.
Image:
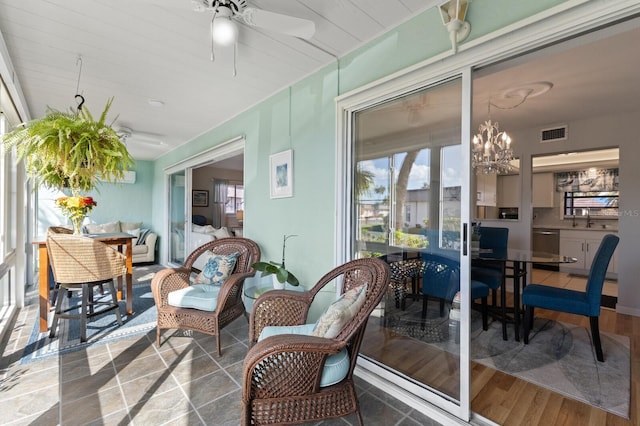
(548, 241)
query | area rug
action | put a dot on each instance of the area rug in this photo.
(559, 356)
(101, 329)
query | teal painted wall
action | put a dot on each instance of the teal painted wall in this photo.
(116, 201)
(132, 202)
(302, 118)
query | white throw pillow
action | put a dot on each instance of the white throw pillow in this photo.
(105, 228)
(340, 312)
(127, 226)
(134, 232)
(197, 228)
(208, 229)
(222, 233)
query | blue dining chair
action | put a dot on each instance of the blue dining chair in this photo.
(490, 272)
(441, 279)
(585, 303)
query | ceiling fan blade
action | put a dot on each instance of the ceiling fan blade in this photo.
(276, 22)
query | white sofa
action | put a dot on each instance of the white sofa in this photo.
(145, 252)
(200, 235)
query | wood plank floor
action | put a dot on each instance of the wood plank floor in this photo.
(503, 398)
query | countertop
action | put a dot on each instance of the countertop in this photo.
(581, 227)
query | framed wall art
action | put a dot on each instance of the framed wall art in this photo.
(200, 198)
(281, 174)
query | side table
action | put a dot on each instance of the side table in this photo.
(256, 286)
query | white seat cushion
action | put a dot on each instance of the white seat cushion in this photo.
(198, 296)
(336, 366)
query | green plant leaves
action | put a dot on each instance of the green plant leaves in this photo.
(269, 268)
(70, 149)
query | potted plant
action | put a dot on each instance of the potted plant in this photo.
(70, 150)
(280, 274)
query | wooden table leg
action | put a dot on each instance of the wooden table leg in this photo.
(129, 301)
(119, 281)
(43, 281)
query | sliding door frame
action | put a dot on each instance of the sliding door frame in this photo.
(569, 19)
(227, 149)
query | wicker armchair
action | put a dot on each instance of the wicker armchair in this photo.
(282, 373)
(229, 306)
(80, 263)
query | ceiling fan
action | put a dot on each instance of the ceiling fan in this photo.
(224, 29)
(126, 134)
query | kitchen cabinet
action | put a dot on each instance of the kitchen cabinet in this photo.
(509, 191)
(583, 245)
(543, 190)
(486, 186)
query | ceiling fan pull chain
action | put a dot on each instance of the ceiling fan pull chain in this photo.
(235, 53)
(213, 56)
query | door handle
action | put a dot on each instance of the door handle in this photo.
(465, 229)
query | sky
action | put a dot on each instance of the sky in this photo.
(420, 172)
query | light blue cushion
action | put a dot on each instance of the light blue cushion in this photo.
(272, 330)
(198, 296)
(336, 366)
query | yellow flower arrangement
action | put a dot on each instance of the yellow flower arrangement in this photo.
(76, 208)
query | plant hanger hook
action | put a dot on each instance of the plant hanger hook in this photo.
(79, 98)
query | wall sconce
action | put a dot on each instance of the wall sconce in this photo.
(453, 13)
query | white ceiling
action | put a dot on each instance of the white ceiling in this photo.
(160, 49)
(137, 50)
(591, 76)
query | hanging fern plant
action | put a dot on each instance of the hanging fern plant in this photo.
(70, 150)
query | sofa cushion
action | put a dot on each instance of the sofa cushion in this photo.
(139, 249)
(105, 228)
(217, 269)
(135, 232)
(126, 226)
(202, 229)
(222, 233)
(336, 366)
(340, 312)
(199, 296)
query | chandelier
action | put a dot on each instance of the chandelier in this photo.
(491, 150)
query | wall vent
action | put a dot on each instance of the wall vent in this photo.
(559, 133)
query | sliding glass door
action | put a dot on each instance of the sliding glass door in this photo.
(177, 218)
(410, 181)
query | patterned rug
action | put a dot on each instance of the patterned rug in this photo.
(101, 329)
(559, 356)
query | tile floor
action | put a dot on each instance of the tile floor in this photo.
(132, 381)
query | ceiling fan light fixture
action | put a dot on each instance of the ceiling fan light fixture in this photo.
(224, 31)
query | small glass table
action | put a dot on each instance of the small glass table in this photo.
(256, 286)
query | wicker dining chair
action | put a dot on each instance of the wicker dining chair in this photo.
(229, 298)
(80, 263)
(282, 374)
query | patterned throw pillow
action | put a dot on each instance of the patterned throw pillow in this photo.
(340, 312)
(217, 269)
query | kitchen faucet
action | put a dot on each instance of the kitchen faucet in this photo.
(589, 222)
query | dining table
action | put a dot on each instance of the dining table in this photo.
(121, 240)
(517, 260)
